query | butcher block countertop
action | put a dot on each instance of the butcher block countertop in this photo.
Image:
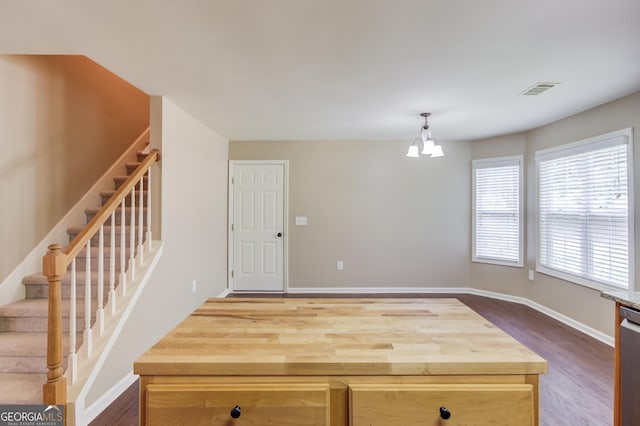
(336, 337)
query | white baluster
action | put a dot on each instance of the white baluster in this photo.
(112, 265)
(122, 283)
(140, 251)
(88, 341)
(132, 237)
(73, 357)
(149, 209)
(100, 311)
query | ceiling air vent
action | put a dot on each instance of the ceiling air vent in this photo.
(538, 88)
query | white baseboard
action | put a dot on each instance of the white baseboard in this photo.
(589, 331)
(224, 293)
(95, 409)
(102, 346)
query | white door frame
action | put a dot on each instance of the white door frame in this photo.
(285, 213)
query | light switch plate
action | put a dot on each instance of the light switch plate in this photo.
(301, 220)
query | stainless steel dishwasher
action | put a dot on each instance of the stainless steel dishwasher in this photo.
(630, 366)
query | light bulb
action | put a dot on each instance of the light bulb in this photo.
(413, 151)
(428, 146)
(437, 151)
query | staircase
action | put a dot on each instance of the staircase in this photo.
(23, 324)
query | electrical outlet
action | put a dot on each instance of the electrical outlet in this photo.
(340, 265)
(531, 275)
(194, 286)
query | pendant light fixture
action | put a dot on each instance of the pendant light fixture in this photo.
(414, 148)
(429, 147)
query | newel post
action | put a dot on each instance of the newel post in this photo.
(53, 267)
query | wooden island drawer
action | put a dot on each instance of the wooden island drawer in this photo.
(461, 404)
(259, 405)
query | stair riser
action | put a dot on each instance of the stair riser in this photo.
(127, 217)
(41, 291)
(107, 238)
(34, 360)
(105, 198)
(81, 264)
(29, 364)
(141, 157)
(36, 324)
(24, 364)
(131, 168)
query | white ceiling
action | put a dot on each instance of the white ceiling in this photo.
(349, 69)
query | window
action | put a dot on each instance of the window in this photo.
(497, 211)
(584, 212)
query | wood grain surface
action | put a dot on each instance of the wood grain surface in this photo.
(291, 337)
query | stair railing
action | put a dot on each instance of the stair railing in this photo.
(58, 259)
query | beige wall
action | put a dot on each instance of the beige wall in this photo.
(63, 121)
(581, 303)
(500, 279)
(194, 232)
(398, 222)
(577, 302)
(394, 221)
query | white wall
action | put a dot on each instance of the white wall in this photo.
(64, 120)
(194, 225)
(394, 221)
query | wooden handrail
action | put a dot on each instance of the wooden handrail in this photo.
(103, 214)
(55, 264)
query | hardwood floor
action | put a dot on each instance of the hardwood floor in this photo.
(576, 391)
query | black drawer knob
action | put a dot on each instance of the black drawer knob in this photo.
(235, 412)
(444, 413)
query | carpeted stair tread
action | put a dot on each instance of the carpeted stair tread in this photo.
(14, 344)
(131, 166)
(21, 388)
(39, 279)
(141, 155)
(119, 180)
(95, 210)
(75, 230)
(38, 308)
(37, 287)
(23, 324)
(23, 344)
(91, 212)
(110, 192)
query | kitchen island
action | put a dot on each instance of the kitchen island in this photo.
(339, 362)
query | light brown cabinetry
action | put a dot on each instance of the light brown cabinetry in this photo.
(238, 405)
(338, 362)
(422, 405)
(342, 401)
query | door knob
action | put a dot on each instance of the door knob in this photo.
(444, 413)
(279, 234)
(235, 412)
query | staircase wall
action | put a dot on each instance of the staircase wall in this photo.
(194, 232)
(63, 121)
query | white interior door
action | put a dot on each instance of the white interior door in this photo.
(258, 227)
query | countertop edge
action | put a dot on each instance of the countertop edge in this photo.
(627, 298)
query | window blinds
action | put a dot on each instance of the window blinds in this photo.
(583, 210)
(497, 213)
